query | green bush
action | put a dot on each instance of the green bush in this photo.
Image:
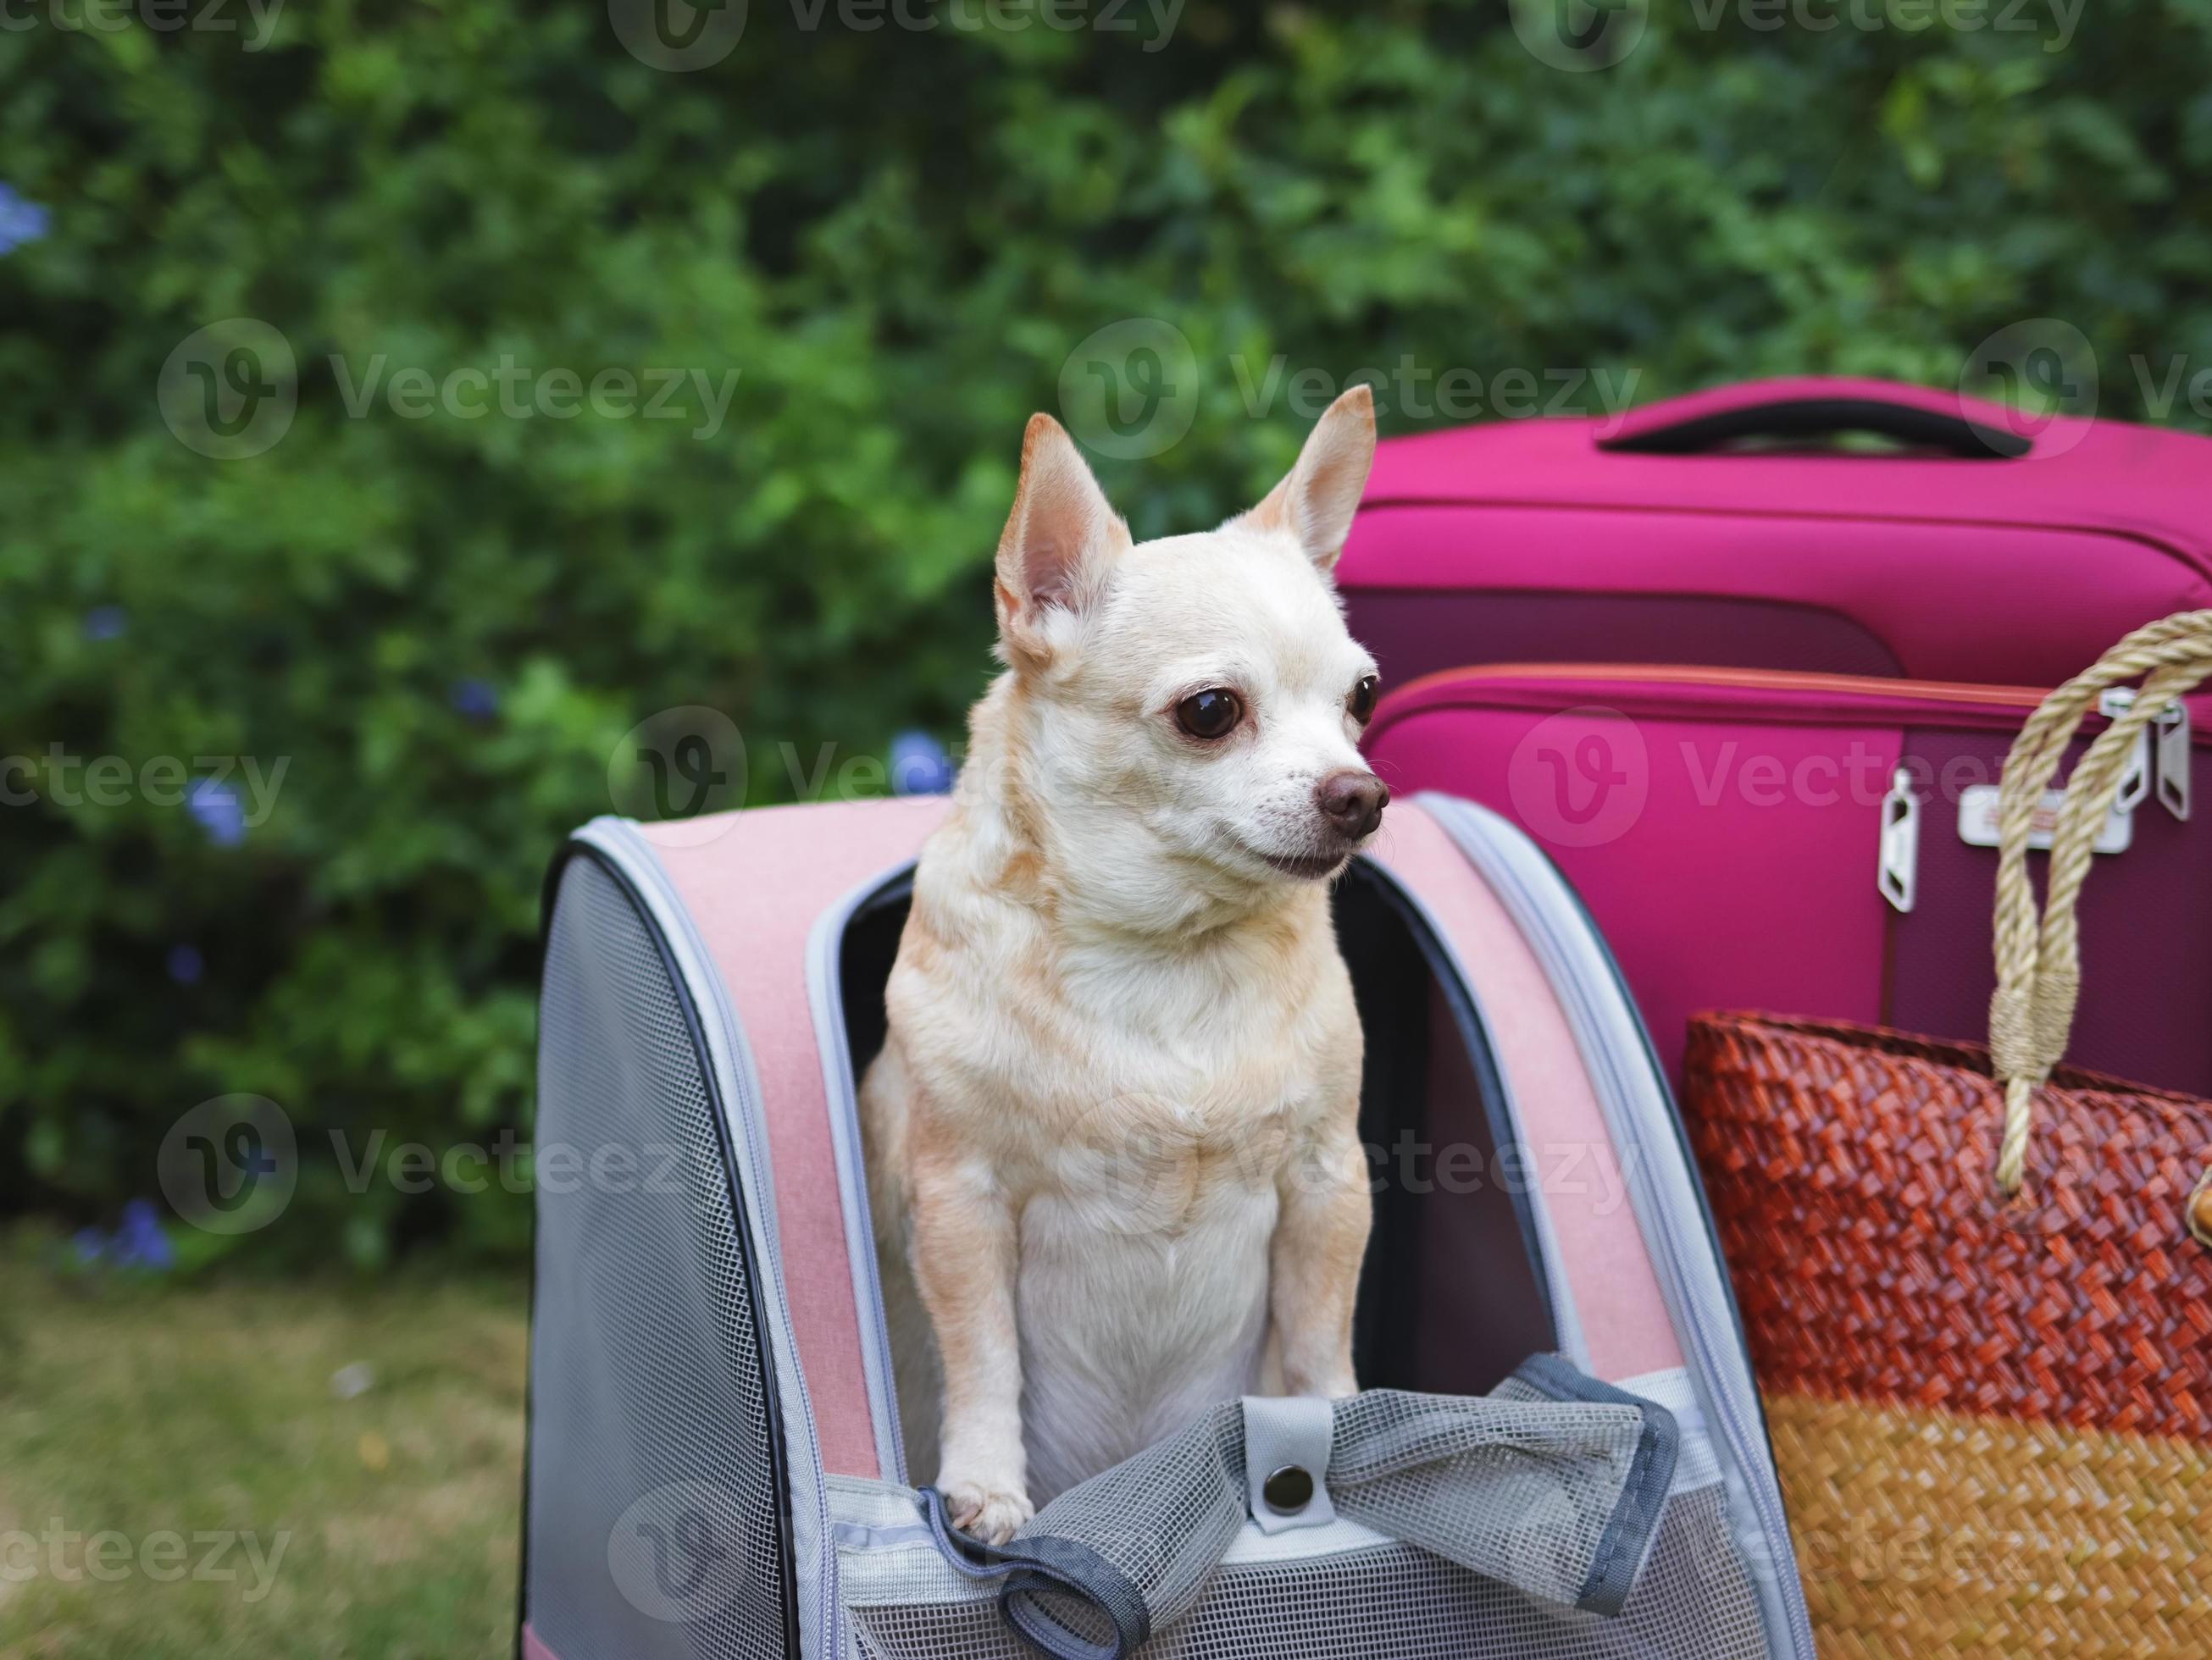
(443, 627)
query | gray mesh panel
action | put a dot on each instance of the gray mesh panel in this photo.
(1550, 1496)
(1693, 1602)
(655, 1510)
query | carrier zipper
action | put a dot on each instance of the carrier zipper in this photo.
(1723, 1384)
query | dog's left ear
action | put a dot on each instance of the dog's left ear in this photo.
(1318, 498)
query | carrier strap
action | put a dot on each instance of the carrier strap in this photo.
(1027, 1567)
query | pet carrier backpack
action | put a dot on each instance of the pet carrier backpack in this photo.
(1559, 1450)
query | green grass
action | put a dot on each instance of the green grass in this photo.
(152, 1410)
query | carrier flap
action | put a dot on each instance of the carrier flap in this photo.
(1553, 1486)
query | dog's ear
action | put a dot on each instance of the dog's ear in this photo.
(1059, 540)
(1316, 498)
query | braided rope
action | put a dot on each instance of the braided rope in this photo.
(2038, 957)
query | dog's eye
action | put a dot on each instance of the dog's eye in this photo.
(1361, 704)
(1210, 714)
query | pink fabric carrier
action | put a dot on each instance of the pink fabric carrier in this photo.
(714, 1465)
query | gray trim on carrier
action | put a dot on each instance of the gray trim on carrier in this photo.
(825, 947)
(738, 1087)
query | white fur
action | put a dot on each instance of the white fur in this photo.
(1112, 1138)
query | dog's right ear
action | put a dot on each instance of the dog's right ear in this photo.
(1059, 541)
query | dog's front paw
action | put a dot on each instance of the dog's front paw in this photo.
(991, 1509)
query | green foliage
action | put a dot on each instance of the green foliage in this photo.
(893, 238)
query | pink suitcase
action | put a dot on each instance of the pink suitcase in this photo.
(1858, 608)
(1810, 844)
(1984, 547)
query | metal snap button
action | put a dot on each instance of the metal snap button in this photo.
(1289, 1490)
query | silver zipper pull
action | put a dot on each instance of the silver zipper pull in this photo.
(1899, 878)
(2173, 759)
(2135, 783)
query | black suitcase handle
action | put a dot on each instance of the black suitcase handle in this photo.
(1799, 417)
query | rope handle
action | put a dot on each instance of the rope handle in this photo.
(2038, 957)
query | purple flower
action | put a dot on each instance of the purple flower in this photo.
(187, 965)
(106, 622)
(218, 811)
(919, 765)
(473, 699)
(141, 1242)
(20, 221)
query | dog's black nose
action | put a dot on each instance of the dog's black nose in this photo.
(1352, 802)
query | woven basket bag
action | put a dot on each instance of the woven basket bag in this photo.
(1977, 1284)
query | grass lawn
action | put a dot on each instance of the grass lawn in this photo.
(384, 1524)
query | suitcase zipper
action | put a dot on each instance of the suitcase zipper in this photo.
(1897, 874)
(2161, 764)
(2174, 738)
(2164, 758)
